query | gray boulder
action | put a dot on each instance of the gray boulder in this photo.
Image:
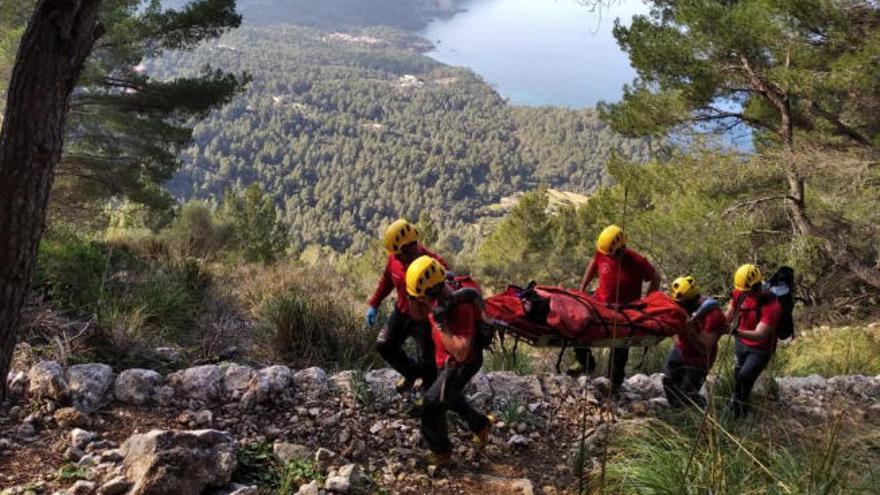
(507, 386)
(236, 380)
(16, 383)
(479, 390)
(137, 386)
(310, 381)
(646, 386)
(179, 462)
(349, 479)
(201, 383)
(381, 383)
(278, 382)
(89, 385)
(287, 452)
(47, 381)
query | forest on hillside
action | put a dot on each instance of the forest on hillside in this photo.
(350, 130)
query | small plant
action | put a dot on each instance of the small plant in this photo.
(517, 360)
(297, 472)
(514, 411)
(70, 471)
(360, 390)
(257, 465)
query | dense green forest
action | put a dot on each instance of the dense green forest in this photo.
(348, 131)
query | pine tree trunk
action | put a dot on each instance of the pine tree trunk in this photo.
(53, 49)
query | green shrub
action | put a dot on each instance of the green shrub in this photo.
(297, 472)
(309, 328)
(72, 272)
(654, 457)
(829, 352)
(505, 359)
(257, 465)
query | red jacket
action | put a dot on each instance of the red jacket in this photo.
(394, 276)
(748, 318)
(711, 322)
(629, 273)
(461, 320)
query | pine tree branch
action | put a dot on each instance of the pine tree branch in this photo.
(754, 202)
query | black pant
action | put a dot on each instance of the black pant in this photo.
(682, 382)
(750, 362)
(390, 347)
(616, 365)
(447, 393)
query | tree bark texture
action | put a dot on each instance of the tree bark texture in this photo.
(796, 199)
(51, 55)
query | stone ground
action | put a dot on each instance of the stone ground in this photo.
(356, 417)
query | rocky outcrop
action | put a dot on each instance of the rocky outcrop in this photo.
(137, 386)
(47, 381)
(179, 462)
(89, 385)
(202, 384)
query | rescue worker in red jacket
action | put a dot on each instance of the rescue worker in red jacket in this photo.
(455, 319)
(695, 350)
(621, 273)
(402, 244)
(759, 313)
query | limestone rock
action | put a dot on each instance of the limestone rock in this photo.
(179, 462)
(116, 486)
(89, 385)
(291, 451)
(201, 383)
(81, 438)
(479, 390)
(310, 381)
(311, 488)
(349, 479)
(497, 484)
(381, 383)
(71, 417)
(16, 383)
(137, 386)
(325, 459)
(278, 381)
(82, 487)
(236, 379)
(47, 381)
(646, 386)
(507, 386)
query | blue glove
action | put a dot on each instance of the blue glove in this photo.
(372, 314)
(708, 304)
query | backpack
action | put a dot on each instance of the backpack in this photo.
(468, 291)
(782, 286)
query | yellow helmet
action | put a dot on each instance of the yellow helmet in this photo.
(684, 288)
(424, 274)
(399, 234)
(610, 240)
(746, 277)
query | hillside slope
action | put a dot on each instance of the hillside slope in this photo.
(351, 129)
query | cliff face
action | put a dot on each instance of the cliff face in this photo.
(348, 432)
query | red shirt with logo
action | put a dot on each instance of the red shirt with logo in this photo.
(771, 311)
(711, 322)
(630, 271)
(394, 277)
(462, 320)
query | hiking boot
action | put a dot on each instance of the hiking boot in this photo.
(415, 408)
(439, 460)
(404, 384)
(482, 437)
(576, 370)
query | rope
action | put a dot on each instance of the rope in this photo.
(611, 353)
